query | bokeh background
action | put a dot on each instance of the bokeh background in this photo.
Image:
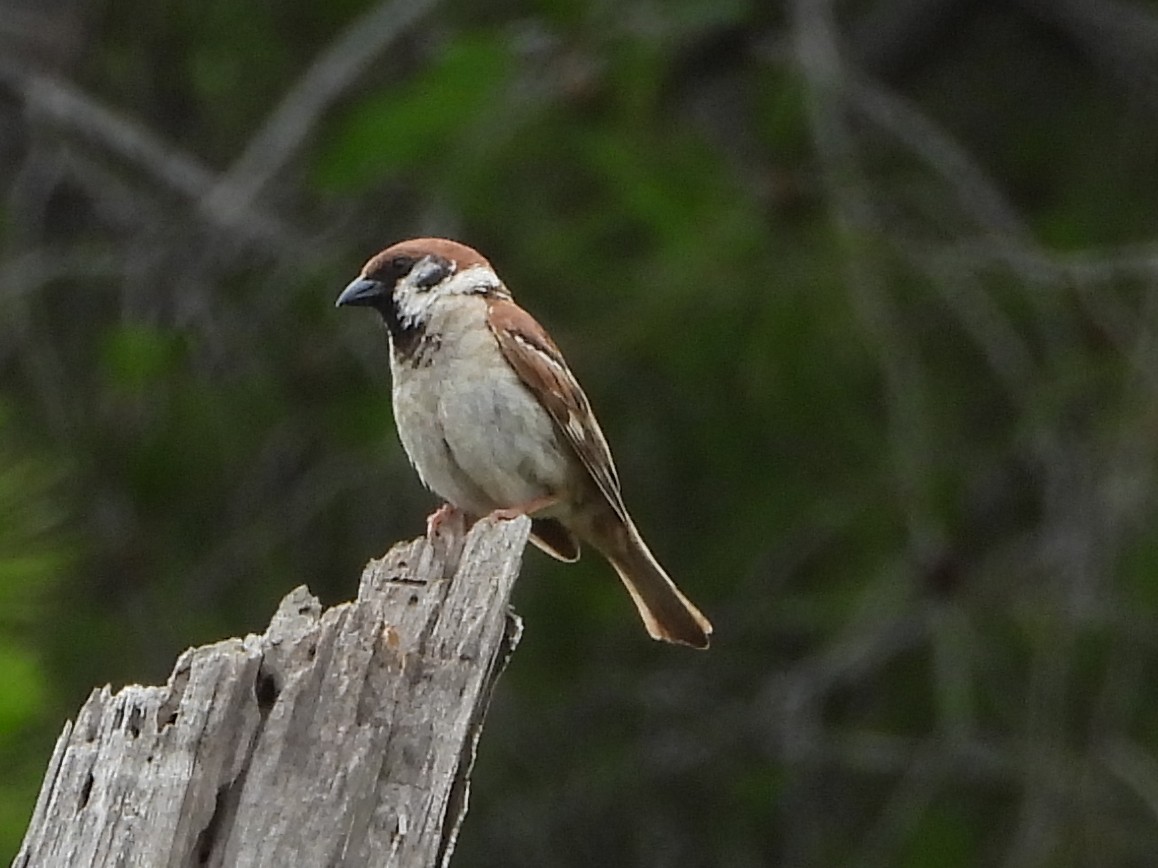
(865, 294)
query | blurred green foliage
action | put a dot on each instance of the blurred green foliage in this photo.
(874, 344)
(35, 550)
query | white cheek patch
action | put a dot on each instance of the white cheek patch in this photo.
(414, 298)
(413, 304)
(475, 280)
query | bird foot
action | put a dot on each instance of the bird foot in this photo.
(508, 513)
(443, 516)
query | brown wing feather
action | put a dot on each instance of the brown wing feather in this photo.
(534, 357)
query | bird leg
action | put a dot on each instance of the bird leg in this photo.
(445, 513)
(508, 513)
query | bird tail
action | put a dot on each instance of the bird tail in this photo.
(667, 614)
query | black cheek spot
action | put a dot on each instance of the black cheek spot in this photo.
(430, 272)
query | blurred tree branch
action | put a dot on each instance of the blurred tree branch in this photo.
(907, 250)
(296, 116)
(52, 100)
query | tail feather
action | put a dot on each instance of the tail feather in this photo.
(668, 615)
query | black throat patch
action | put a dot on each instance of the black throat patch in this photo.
(413, 346)
(409, 339)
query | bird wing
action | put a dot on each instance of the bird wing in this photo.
(534, 357)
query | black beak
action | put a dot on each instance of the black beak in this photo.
(362, 291)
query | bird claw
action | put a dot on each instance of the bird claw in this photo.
(441, 517)
(509, 513)
(450, 518)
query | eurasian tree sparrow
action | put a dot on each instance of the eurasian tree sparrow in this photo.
(493, 420)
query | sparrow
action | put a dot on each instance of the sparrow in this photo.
(494, 421)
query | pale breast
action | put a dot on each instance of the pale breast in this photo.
(475, 434)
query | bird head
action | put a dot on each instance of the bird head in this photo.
(407, 280)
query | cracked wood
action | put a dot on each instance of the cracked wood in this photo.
(339, 737)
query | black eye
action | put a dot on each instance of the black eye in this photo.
(391, 270)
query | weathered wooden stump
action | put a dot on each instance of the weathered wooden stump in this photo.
(342, 737)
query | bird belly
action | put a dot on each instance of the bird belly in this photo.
(476, 436)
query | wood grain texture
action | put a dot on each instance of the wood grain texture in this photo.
(339, 737)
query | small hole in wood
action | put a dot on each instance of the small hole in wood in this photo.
(413, 599)
(85, 792)
(265, 690)
(133, 727)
